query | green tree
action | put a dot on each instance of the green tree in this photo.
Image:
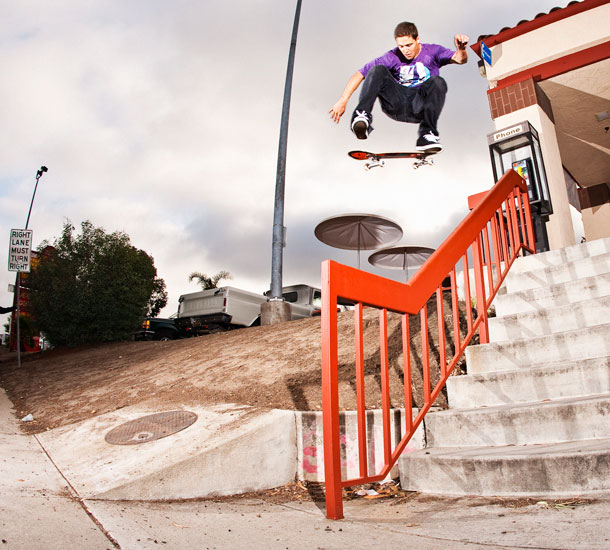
(208, 282)
(93, 287)
(158, 298)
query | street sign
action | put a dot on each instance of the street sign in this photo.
(486, 53)
(20, 250)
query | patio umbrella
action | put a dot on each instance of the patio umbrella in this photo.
(401, 257)
(358, 232)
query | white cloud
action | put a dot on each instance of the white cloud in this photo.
(162, 119)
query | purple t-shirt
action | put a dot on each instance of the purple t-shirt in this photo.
(413, 73)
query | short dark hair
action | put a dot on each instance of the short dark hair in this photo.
(406, 29)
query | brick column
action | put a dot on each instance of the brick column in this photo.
(525, 100)
(508, 99)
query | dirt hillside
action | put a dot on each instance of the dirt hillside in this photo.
(271, 367)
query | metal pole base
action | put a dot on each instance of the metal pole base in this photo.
(275, 311)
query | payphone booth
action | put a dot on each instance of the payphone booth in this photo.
(518, 147)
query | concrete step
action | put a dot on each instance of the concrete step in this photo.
(586, 343)
(558, 469)
(566, 272)
(587, 313)
(562, 256)
(552, 296)
(556, 381)
(566, 419)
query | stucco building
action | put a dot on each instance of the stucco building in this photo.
(554, 73)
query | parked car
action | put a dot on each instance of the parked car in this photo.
(155, 328)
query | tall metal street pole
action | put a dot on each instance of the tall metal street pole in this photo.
(39, 174)
(278, 213)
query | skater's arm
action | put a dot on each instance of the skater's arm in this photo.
(337, 110)
(461, 55)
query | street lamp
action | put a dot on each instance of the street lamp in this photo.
(39, 174)
(276, 310)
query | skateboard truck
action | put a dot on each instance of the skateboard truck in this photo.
(423, 161)
(373, 162)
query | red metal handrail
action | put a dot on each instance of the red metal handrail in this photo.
(504, 212)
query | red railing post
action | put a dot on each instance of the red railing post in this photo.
(360, 399)
(456, 311)
(531, 240)
(330, 398)
(515, 218)
(440, 313)
(479, 282)
(487, 256)
(467, 295)
(385, 383)
(496, 247)
(406, 358)
(425, 352)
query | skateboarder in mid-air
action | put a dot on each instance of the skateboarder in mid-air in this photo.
(406, 80)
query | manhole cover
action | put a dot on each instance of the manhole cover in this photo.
(151, 427)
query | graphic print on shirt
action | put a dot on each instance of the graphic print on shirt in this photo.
(413, 75)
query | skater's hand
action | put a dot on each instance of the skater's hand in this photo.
(461, 41)
(337, 110)
(461, 55)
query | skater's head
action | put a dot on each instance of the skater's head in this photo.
(406, 29)
(407, 39)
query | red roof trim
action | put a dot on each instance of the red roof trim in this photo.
(558, 66)
(538, 22)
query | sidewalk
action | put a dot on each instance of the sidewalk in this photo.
(38, 510)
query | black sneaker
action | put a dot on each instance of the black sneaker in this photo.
(361, 125)
(428, 142)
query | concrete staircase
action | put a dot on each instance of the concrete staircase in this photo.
(532, 417)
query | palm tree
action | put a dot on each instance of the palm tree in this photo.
(208, 282)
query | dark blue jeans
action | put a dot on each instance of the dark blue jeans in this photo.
(422, 104)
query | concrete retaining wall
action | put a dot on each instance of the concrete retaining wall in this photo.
(228, 450)
(310, 442)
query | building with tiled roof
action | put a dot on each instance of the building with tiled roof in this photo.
(553, 71)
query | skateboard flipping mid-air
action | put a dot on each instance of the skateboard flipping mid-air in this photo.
(407, 82)
(378, 159)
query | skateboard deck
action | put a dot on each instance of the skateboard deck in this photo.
(378, 159)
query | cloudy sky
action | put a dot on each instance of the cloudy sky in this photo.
(161, 119)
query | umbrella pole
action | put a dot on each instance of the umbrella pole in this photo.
(359, 229)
